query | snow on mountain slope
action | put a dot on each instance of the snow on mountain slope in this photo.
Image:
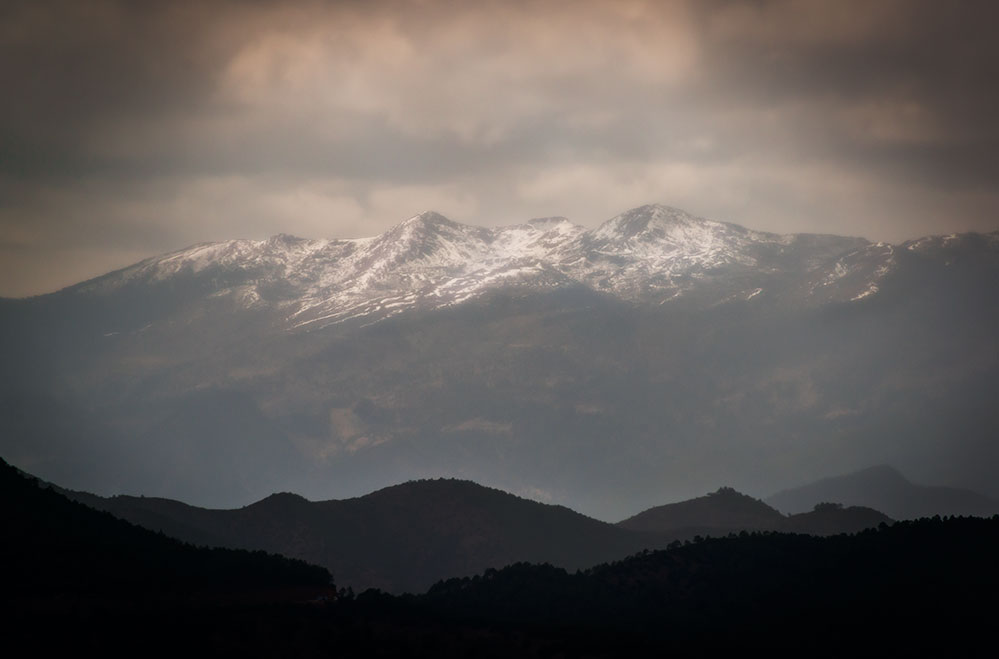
(658, 254)
(651, 254)
(659, 251)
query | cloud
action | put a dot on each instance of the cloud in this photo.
(141, 127)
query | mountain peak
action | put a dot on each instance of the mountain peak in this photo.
(285, 239)
(547, 222)
(659, 211)
(882, 473)
(724, 508)
(652, 253)
(279, 501)
(646, 223)
(428, 218)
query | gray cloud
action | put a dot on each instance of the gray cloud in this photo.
(141, 127)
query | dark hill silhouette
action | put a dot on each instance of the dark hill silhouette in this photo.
(81, 581)
(722, 511)
(728, 511)
(834, 518)
(924, 584)
(405, 537)
(57, 547)
(884, 488)
(401, 538)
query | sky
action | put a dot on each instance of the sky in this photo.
(129, 129)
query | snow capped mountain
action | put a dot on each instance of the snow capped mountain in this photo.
(658, 253)
(639, 361)
(652, 254)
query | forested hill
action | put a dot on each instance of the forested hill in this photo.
(404, 538)
(916, 584)
(55, 547)
(78, 580)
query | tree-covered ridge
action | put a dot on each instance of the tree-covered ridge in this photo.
(937, 576)
(107, 586)
(401, 538)
(58, 546)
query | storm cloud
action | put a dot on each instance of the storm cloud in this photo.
(129, 129)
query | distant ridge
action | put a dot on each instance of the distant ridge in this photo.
(885, 489)
(81, 579)
(401, 538)
(835, 518)
(405, 537)
(728, 511)
(722, 510)
(653, 253)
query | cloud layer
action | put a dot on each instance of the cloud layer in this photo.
(135, 128)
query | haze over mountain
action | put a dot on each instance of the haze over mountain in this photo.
(886, 489)
(643, 361)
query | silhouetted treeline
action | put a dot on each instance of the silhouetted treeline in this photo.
(932, 580)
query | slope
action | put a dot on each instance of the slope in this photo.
(57, 548)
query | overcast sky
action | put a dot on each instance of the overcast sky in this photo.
(128, 129)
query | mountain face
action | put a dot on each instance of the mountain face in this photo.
(886, 489)
(611, 369)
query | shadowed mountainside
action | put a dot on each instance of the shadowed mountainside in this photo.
(58, 547)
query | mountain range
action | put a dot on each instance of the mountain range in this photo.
(652, 254)
(610, 369)
(406, 537)
(108, 586)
